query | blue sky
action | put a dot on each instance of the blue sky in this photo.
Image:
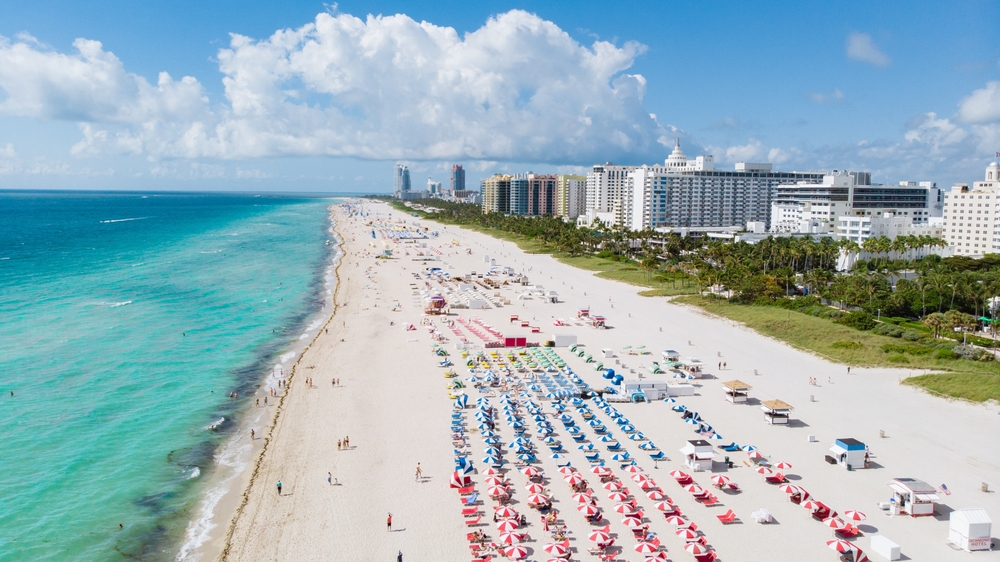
(910, 91)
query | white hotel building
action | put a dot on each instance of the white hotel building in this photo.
(970, 215)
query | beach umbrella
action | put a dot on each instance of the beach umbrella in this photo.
(509, 538)
(663, 505)
(608, 438)
(507, 525)
(533, 488)
(600, 470)
(573, 479)
(749, 448)
(505, 512)
(599, 536)
(789, 488)
(492, 451)
(530, 471)
(632, 522)
(621, 457)
(686, 534)
(695, 548)
(491, 460)
(679, 474)
(555, 548)
(855, 515)
(764, 471)
(695, 489)
(466, 466)
(550, 440)
(493, 481)
(581, 498)
(459, 480)
(567, 470)
(669, 400)
(812, 505)
(715, 437)
(633, 469)
(646, 547)
(527, 457)
(676, 520)
(840, 546)
(834, 523)
(655, 495)
(648, 485)
(637, 437)
(640, 477)
(587, 509)
(613, 486)
(537, 499)
(587, 447)
(618, 496)
(516, 552)
(783, 465)
(557, 456)
(720, 480)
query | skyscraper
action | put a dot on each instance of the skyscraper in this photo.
(402, 181)
(457, 178)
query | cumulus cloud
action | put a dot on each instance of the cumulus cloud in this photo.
(836, 96)
(860, 47)
(518, 88)
(982, 106)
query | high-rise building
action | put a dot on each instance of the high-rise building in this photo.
(689, 193)
(496, 194)
(457, 178)
(519, 194)
(402, 181)
(971, 215)
(571, 195)
(541, 194)
(433, 188)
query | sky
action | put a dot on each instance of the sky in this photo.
(307, 96)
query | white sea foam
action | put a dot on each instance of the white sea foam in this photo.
(112, 304)
(124, 220)
(138, 264)
(287, 356)
(195, 472)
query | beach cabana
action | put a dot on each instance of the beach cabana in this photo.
(698, 454)
(970, 529)
(776, 411)
(648, 389)
(670, 355)
(912, 497)
(736, 391)
(693, 366)
(849, 453)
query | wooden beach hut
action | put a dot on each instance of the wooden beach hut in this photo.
(737, 392)
(776, 412)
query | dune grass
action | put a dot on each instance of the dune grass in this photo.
(969, 380)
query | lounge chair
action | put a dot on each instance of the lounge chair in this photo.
(734, 487)
(712, 500)
(731, 448)
(473, 522)
(761, 516)
(710, 557)
(466, 490)
(850, 531)
(469, 511)
(727, 517)
(483, 559)
(469, 500)
(776, 478)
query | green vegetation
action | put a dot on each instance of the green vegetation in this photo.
(966, 386)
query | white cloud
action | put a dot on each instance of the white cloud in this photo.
(982, 106)
(778, 156)
(753, 151)
(518, 88)
(860, 47)
(836, 96)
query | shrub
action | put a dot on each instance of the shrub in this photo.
(846, 345)
(912, 335)
(890, 330)
(971, 353)
(945, 354)
(897, 359)
(912, 349)
(859, 320)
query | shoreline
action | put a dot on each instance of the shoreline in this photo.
(207, 533)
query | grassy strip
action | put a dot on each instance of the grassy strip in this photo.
(969, 380)
(624, 271)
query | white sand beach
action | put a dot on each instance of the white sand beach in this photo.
(394, 406)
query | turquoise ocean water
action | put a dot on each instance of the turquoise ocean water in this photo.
(126, 320)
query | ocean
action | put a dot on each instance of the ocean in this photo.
(126, 321)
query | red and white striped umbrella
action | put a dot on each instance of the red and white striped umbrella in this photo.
(537, 499)
(625, 509)
(495, 491)
(573, 479)
(555, 548)
(505, 512)
(613, 486)
(566, 470)
(695, 489)
(783, 465)
(599, 470)
(633, 468)
(663, 506)
(508, 537)
(582, 498)
(834, 523)
(507, 525)
(679, 474)
(533, 488)
(646, 547)
(632, 522)
(840, 545)
(789, 488)
(855, 515)
(599, 536)
(655, 495)
(617, 497)
(493, 481)
(529, 471)
(764, 471)
(755, 455)
(812, 505)
(640, 477)
(696, 548)
(587, 509)
(676, 520)
(660, 557)
(459, 480)
(720, 479)
(516, 552)
(686, 534)
(648, 485)
(491, 471)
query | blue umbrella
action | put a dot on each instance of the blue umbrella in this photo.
(491, 440)
(648, 446)
(557, 456)
(527, 457)
(461, 401)
(669, 400)
(637, 437)
(608, 438)
(467, 468)
(492, 451)
(550, 440)
(621, 457)
(658, 456)
(691, 421)
(517, 424)
(749, 448)
(490, 460)
(587, 447)
(716, 437)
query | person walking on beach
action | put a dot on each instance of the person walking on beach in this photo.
(419, 474)
(388, 523)
(399, 557)
(338, 444)
(251, 434)
(279, 487)
(329, 478)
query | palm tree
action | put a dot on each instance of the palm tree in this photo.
(935, 322)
